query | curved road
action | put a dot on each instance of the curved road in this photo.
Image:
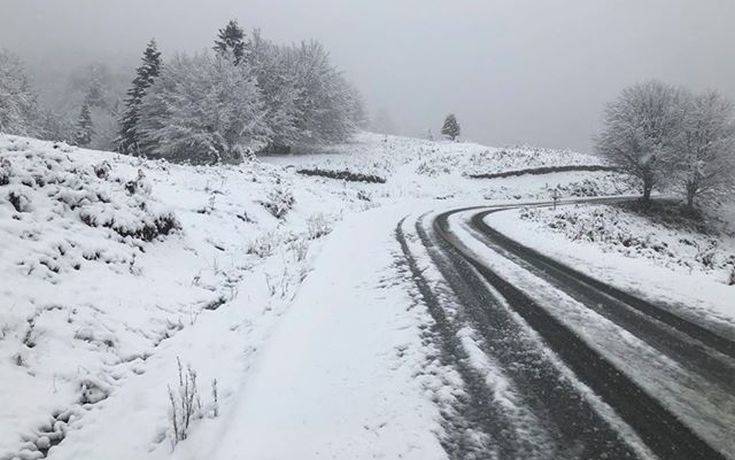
(552, 369)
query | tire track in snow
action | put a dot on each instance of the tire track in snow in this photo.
(476, 428)
(688, 343)
(574, 426)
(661, 430)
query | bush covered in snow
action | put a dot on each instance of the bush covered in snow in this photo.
(317, 226)
(263, 245)
(279, 202)
(52, 186)
(609, 184)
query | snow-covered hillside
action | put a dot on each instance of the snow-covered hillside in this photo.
(114, 269)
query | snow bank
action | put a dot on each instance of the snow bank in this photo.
(664, 259)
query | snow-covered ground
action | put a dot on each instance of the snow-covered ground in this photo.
(704, 406)
(663, 258)
(282, 287)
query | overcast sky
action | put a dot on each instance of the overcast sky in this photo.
(534, 72)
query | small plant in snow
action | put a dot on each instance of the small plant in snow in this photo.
(279, 201)
(300, 247)
(215, 399)
(263, 245)
(102, 170)
(5, 171)
(317, 226)
(706, 254)
(731, 277)
(19, 200)
(277, 286)
(139, 185)
(185, 404)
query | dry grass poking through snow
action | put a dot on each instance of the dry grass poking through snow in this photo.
(663, 233)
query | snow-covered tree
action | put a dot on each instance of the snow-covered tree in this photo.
(129, 142)
(383, 122)
(704, 160)
(106, 128)
(356, 107)
(450, 128)
(231, 40)
(55, 127)
(203, 109)
(85, 129)
(639, 131)
(325, 98)
(278, 89)
(18, 106)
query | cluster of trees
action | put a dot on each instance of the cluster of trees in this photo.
(246, 95)
(672, 138)
(85, 108)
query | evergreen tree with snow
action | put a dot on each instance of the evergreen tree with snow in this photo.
(129, 142)
(451, 127)
(85, 129)
(231, 40)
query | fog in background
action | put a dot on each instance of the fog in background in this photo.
(534, 72)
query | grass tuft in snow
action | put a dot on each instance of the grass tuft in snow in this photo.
(185, 404)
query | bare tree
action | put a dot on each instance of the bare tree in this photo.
(639, 129)
(705, 149)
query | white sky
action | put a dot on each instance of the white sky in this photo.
(513, 71)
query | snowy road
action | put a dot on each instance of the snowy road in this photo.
(557, 364)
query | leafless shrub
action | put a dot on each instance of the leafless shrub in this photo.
(317, 226)
(300, 248)
(279, 202)
(185, 404)
(263, 245)
(278, 286)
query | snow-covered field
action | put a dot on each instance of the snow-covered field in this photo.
(274, 284)
(661, 256)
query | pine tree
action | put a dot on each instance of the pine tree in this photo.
(230, 40)
(129, 142)
(85, 130)
(451, 127)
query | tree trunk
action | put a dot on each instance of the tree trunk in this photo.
(691, 193)
(647, 188)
